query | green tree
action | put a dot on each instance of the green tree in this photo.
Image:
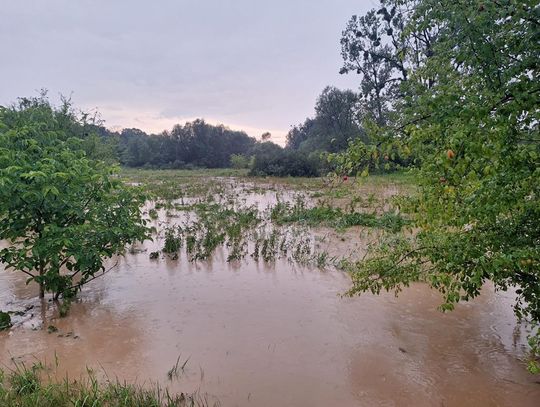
(239, 161)
(336, 122)
(384, 49)
(266, 136)
(470, 112)
(61, 213)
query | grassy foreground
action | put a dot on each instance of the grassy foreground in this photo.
(30, 387)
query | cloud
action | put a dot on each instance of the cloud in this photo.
(257, 65)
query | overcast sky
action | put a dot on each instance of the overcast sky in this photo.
(249, 64)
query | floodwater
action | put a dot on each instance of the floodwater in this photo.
(275, 334)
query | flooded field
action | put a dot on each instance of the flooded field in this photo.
(273, 329)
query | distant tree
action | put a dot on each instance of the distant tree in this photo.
(239, 161)
(336, 122)
(61, 213)
(266, 136)
(336, 114)
(286, 163)
(135, 149)
(266, 148)
(195, 143)
(271, 159)
(299, 134)
(384, 50)
(99, 147)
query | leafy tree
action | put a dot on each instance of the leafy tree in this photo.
(195, 144)
(299, 134)
(135, 148)
(101, 148)
(61, 213)
(384, 49)
(336, 122)
(470, 112)
(239, 161)
(271, 159)
(266, 136)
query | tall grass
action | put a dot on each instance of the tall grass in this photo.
(335, 217)
(32, 387)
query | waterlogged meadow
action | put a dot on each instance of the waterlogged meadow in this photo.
(238, 301)
(298, 220)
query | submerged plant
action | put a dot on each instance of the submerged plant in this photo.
(220, 216)
(5, 320)
(178, 368)
(173, 241)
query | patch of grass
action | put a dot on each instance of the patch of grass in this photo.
(169, 185)
(30, 387)
(389, 220)
(335, 217)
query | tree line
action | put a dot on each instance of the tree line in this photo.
(198, 144)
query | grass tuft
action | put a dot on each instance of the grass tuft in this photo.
(30, 387)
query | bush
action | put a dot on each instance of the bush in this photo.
(5, 320)
(239, 161)
(285, 163)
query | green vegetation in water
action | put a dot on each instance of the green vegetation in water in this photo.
(64, 307)
(177, 369)
(219, 224)
(31, 387)
(214, 213)
(168, 185)
(335, 217)
(173, 241)
(5, 320)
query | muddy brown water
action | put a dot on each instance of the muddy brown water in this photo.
(276, 334)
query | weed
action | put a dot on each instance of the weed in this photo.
(173, 241)
(5, 320)
(64, 307)
(27, 387)
(215, 213)
(178, 368)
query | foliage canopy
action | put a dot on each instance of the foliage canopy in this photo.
(470, 110)
(61, 213)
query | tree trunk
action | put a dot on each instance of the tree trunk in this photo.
(41, 283)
